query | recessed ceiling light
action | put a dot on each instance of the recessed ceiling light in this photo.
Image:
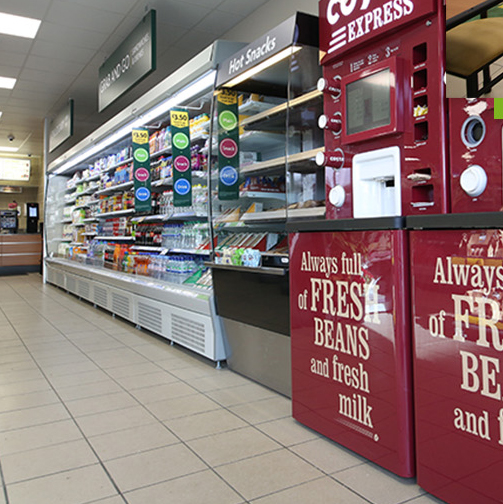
(18, 26)
(9, 149)
(7, 82)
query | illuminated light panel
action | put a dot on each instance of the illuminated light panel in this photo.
(7, 82)
(18, 26)
(9, 149)
(285, 53)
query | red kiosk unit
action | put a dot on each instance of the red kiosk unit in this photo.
(457, 288)
(384, 159)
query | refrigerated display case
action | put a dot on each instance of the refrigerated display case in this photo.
(263, 172)
(146, 265)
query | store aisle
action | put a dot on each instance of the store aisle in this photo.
(94, 411)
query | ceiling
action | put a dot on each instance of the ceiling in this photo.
(75, 38)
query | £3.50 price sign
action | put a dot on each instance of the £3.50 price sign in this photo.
(180, 141)
(141, 171)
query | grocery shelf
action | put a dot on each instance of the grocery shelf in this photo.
(117, 213)
(114, 238)
(116, 188)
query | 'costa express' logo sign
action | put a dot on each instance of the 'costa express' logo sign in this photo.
(347, 23)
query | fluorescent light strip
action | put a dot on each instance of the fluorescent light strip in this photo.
(7, 82)
(285, 53)
(1, 114)
(18, 26)
(205, 82)
(9, 149)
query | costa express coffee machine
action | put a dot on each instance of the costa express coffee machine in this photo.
(384, 159)
(457, 278)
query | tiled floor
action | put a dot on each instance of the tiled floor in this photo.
(95, 411)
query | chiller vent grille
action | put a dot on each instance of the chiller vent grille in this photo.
(187, 332)
(71, 284)
(50, 275)
(84, 290)
(60, 279)
(100, 296)
(120, 305)
(150, 317)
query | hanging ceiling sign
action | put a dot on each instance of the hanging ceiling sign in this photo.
(61, 127)
(298, 29)
(131, 62)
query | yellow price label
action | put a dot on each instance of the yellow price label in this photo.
(179, 119)
(228, 97)
(140, 137)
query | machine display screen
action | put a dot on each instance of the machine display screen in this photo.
(33, 212)
(368, 102)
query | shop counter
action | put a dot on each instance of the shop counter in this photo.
(351, 337)
(20, 250)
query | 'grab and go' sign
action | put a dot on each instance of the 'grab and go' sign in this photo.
(348, 23)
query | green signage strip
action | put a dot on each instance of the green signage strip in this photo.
(228, 144)
(61, 127)
(132, 61)
(180, 144)
(141, 171)
(498, 108)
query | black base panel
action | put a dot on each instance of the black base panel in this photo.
(253, 299)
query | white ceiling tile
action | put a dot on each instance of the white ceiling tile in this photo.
(65, 52)
(79, 16)
(218, 22)
(29, 8)
(17, 45)
(243, 8)
(196, 39)
(57, 34)
(119, 6)
(69, 68)
(181, 13)
(9, 70)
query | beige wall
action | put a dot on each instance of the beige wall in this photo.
(32, 191)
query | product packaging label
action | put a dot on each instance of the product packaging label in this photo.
(141, 171)
(182, 173)
(228, 145)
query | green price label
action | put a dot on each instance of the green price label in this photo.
(141, 155)
(181, 140)
(228, 120)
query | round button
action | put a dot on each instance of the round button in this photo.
(333, 123)
(337, 196)
(334, 159)
(322, 121)
(331, 87)
(473, 180)
(322, 84)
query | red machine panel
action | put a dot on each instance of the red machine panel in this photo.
(457, 278)
(384, 108)
(475, 156)
(351, 346)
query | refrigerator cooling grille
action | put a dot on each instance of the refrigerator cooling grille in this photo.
(100, 296)
(120, 305)
(150, 317)
(71, 284)
(188, 333)
(60, 279)
(84, 290)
